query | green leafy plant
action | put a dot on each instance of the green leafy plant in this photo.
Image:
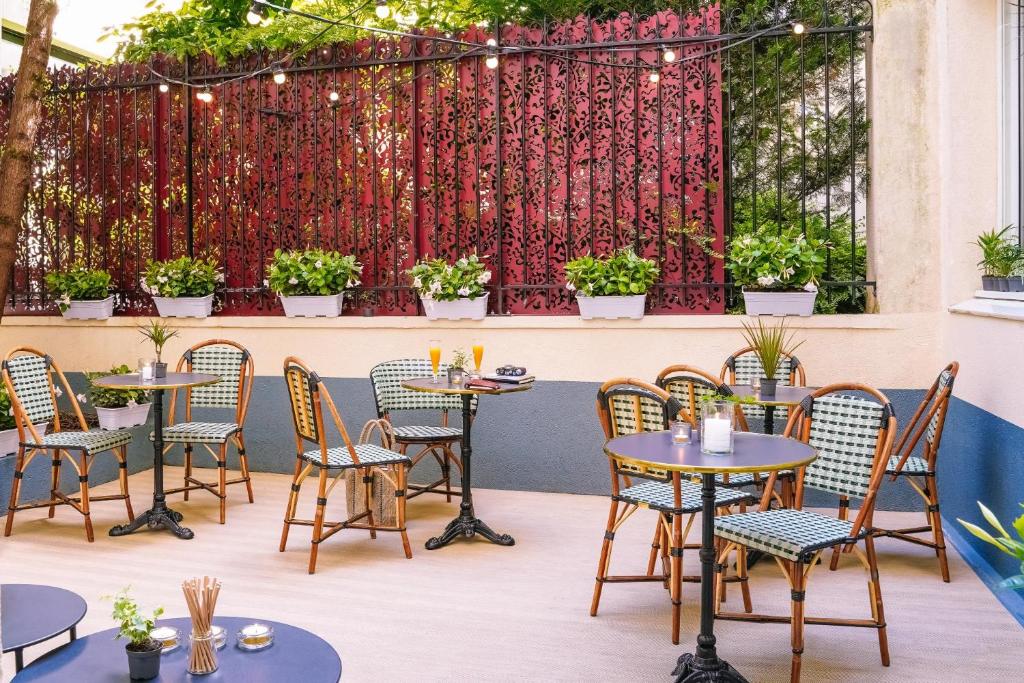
(6, 410)
(784, 261)
(159, 334)
(1000, 257)
(185, 276)
(460, 360)
(133, 626)
(439, 280)
(313, 272)
(1004, 542)
(731, 398)
(622, 273)
(771, 343)
(111, 398)
(79, 284)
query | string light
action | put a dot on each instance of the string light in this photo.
(256, 14)
(279, 76)
(655, 76)
(669, 55)
(205, 96)
(334, 97)
(382, 10)
(798, 28)
(164, 87)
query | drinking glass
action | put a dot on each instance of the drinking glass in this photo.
(717, 426)
(435, 356)
(478, 355)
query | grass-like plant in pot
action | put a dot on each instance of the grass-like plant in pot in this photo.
(312, 283)
(1014, 547)
(779, 273)
(183, 287)
(1001, 259)
(159, 334)
(117, 409)
(452, 291)
(82, 293)
(135, 627)
(612, 286)
(771, 345)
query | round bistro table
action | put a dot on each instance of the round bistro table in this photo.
(159, 516)
(751, 453)
(30, 614)
(466, 524)
(296, 655)
(786, 397)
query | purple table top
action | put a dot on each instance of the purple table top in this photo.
(426, 385)
(784, 396)
(32, 614)
(173, 380)
(751, 453)
(296, 655)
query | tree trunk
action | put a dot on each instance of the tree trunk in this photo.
(26, 110)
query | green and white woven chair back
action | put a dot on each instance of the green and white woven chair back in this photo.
(30, 376)
(300, 392)
(844, 430)
(224, 361)
(387, 378)
(945, 381)
(748, 367)
(634, 410)
(681, 387)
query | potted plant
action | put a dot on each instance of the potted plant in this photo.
(182, 288)
(1000, 259)
(613, 286)
(368, 301)
(452, 291)
(312, 283)
(83, 293)
(118, 409)
(8, 429)
(143, 651)
(1014, 547)
(770, 344)
(778, 272)
(159, 334)
(458, 366)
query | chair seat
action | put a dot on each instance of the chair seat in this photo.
(789, 534)
(914, 466)
(368, 453)
(427, 434)
(199, 432)
(658, 495)
(93, 441)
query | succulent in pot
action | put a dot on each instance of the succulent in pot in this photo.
(142, 650)
(452, 291)
(183, 287)
(771, 344)
(82, 293)
(312, 283)
(779, 273)
(1001, 259)
(612, 286)
(116, 409)
(159, 334)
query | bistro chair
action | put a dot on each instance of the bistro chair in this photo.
(234, 365)
(29, 377)
(628, 406)
(853, 435)
(308, 395)
(434, 440)
(919, 471)
(744, 366)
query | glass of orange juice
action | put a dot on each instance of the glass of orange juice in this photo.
(435, 356)
(478, 355)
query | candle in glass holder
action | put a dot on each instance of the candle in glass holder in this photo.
(717, 432)
(255, 636)
(168, 637)
(680, 431)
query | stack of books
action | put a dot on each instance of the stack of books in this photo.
(510, 379)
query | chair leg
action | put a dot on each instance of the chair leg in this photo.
(741, 571)
(188, 468)
(677, 575)
(936, 522)
(875, 594)
(367, 475)
(798, 582)
(83, 485)
(122, 478)
(655, 547)
(605, 558)
(400, 497)
(243, 460)
(844, 514)
(54, 481)
(289, 510)
(318, 519)
(222, 474)
(19, 469)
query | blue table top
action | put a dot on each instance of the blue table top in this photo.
(296, 655)
(32, 614)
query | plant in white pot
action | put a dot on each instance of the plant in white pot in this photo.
(613, 286)
(118, 409)
(778, 272)
(312, 283)
(8, 428)
(452, 291)
(143, 651)
(82, 293)
(182, 288)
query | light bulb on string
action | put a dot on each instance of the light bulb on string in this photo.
(164, 87)
(492, 54)
(491, 42)
(799, 28)
(492, 61)
(205, 96)
(669, 55)
(279, 76)
(655, 76)
(411, 18)
(334, 97)
(256, 14)
(382, 10)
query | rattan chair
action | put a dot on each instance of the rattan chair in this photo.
(743, 366)
(434, 440)
(234, 365)
(853, 434)
(28, 375)
(919, 470)
(308, 394)
(627, 406)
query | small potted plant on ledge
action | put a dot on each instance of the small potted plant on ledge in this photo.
(118, 409)
(182, 288)
(8, 429)
(83, 293)
(452, 291)
(771, 345)
(159, 334)
(143, 651)
(778, 272)
(312, 283)
(613, 286)
(1000, 260)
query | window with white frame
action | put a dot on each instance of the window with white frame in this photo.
(1012, 185)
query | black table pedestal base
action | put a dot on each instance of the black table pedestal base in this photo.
(468, 527)
(155, 519)
(692, 669)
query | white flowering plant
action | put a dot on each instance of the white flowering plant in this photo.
(79, 284)
(442, 281)
(622, 273)
(185, 276)
(313, 272)
(6, 410)
(777, 261)
(113, 398)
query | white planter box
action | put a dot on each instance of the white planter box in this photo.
(612, 307)
(460, 309)
(313, 306)
(89, 310)
(9, 439)
(112, 419)
(779, 303)
(184, 306)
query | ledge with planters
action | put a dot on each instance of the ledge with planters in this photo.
(778, 272)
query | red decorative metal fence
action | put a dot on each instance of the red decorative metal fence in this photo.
(550, 156)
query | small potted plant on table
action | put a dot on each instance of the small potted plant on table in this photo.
(452, 291)
(1000, 259)
(83, 293)
(182, 288)
(118, 409)
(771, 344)
(613, 286)
(143, 651)
(8, 428)
(159, 334)
(778, 272)
(312, 283)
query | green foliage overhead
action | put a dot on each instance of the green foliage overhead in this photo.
(113, 398)
(313, 272)
(79, 284)
(439, 280)
(185, 276)
(620, 274)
